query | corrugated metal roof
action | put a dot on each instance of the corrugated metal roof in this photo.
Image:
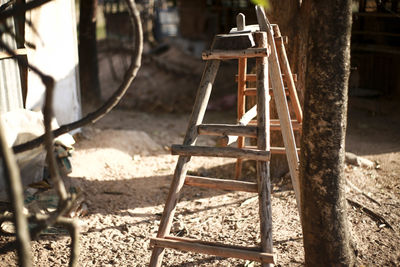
(10, 82)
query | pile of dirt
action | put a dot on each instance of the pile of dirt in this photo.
(166, 82)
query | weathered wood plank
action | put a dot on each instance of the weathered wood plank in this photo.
(235, 54)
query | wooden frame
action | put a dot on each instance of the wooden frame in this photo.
(269, 57)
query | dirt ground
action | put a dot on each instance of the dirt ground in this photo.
(124, 167)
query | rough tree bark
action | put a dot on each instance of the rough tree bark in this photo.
(88, 65)
(324, 217)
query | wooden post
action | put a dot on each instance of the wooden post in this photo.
(281, 106)
(88, 63)
(241, 108)
(240, 22)
(199, 108)
(263, 178)
(241, 103)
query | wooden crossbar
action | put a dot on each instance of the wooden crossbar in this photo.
(235, 54)
(213, 249)
(276, 125)
(226, 129)
(224, 152)
(252, 77)
(222, 184)
(253, 92)
(214, 243)
(275, 150)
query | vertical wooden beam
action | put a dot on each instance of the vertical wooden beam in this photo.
(281, 106)
(284, 64)
(240, 21)
(263, 177)
(241, 108)
(241, 103)
(199, 108)
(88, 63)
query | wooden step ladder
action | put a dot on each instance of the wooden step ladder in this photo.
(242, 43)
(242, 78)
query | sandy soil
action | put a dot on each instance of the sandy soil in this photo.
(124, 168)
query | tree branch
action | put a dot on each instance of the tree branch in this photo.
(11, 171)
(373, 215)
(16, 196)
(67, 223)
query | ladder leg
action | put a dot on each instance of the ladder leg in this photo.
(199, 108)
(284, 64)
(241, 107)
(263, 143)
(284, 118)
(282, 107)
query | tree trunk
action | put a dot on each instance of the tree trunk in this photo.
(324, 216)
(88, 65)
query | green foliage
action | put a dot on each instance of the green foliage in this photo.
(263, 3)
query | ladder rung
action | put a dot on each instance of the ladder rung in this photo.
(215, 249)
(222, 184)
(210, 243)
(281, 40)
(226, 129)
(253, 91)
(281, 150)
(224, 152)
(275, 125)
(235, 54)
(275, 150)
(253, 77)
